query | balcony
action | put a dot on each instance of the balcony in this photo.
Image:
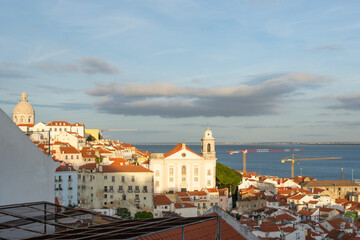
(70, 188)
(145, 191)
(137, 199)
(130, 190)
(111, 190)
(137, 190)
(121, 190)
(58, 180)
(70, 180)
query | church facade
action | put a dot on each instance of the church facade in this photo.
(182, 169)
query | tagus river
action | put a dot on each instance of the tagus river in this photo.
(270, 163)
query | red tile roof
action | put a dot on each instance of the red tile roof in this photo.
(65, 167)
(200, 231)
(212, 190)
(109, 168)
(58, 123)
(184, 205)
(197, 193)
(25, 125)
(161, 200)
(177, 149)
(69, 150)
(222, 191)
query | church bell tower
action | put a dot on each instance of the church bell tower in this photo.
(208, 145)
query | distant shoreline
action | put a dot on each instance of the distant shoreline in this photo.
(258, 143)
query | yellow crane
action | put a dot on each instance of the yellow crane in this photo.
(292, 160)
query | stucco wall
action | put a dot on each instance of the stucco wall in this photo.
(26, 173)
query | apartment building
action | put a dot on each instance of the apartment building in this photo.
(66, 184)
(108, 186)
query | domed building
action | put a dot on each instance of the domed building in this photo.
(23, 112)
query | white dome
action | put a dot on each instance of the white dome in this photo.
(23, 107)
(208, 133)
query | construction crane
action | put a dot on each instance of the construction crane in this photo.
(292, 160)
(245, 151)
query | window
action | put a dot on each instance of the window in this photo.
(60, 129)
(157, 184)
(208, 182)
(72, 156)
(137, 188)
(132, 178)
(145, 189)
(113, 178)
(105, 195)
(183, 179)
(157, 173)
(171, 171)
(196, 179)
(171, 179)
(122, 178)
(209, 147)
(66, 156)
(183, 170)
(216, 196)
(83, 178)
(129, 188)
(123, 197)
(55, 129)
(196, 171)
(120, 188)
(211, 197)
(209, 172)
(105, 189)
(111, 189)
(105, 177)
(111, 196)
(77, 156)
(339, 189)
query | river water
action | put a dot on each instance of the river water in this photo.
(270, 163)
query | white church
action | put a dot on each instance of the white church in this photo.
(24, 118)
(182, 169)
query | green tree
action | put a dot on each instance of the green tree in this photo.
(98, 159)
(227, 177)
(124, 213)
(90, 138)
(143, 214)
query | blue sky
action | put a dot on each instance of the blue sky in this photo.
(255, 71)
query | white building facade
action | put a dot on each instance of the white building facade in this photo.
(182, 169)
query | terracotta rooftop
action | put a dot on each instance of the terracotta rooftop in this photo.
(177, 149)
(197, 193)
(184, 205)
(109, 168)
(330, 183)
(161, 200)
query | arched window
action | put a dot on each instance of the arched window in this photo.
(16, 119)
(209, 147)
(183, 170)
(22, 119)
(29, 119)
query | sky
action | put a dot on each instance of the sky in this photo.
(253, 70)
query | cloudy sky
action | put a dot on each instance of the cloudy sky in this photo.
(254, 70)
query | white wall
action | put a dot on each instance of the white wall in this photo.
(26, 173)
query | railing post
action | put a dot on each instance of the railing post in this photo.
(218, 229)
(183, 233)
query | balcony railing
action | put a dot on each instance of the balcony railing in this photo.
(137, 190)
(111, 190)
(70, 188)
(121, 190)
(145, 191)
(130, 190)
(137, 200)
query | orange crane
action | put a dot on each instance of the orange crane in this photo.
(245, 151)
(292, 160)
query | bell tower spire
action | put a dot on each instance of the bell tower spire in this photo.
(208, 144)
